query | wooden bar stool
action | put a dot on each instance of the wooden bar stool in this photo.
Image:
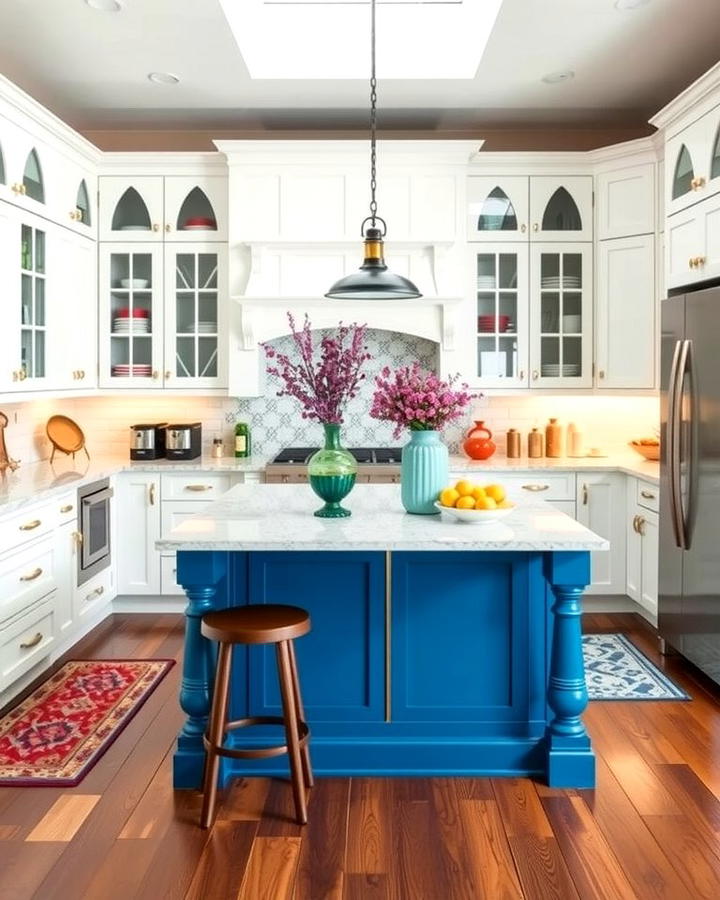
(258, 624)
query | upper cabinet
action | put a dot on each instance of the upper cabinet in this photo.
(545, 208)
(692, 163)
(626, 201)
(33, 185)
(152, 208)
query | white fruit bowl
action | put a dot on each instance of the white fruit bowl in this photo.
(475, 516)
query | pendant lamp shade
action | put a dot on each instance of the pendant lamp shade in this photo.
(372, 281)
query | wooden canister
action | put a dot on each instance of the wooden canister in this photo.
(553, 439)
(512, 447)
(535, 444)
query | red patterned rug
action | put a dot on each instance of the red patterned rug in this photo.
(56, 735)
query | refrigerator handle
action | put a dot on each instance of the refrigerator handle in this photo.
(673, 443)
(686, 368)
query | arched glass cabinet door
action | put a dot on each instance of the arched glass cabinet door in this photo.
(196, 213)
(131, 213)
(561, 213)
(715, 161)
(82, 205)
(497, 212)
(33, 184)
(497, 208)
(683, 175)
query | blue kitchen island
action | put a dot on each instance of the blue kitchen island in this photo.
(437, 647)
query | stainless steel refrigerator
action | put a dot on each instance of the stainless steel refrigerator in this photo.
(689, 588)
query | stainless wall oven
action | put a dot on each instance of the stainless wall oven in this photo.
(94, 529)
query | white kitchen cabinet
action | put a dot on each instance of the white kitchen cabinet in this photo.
(498, 208)
(498, 280)
(72, 314)
(625, 313)
(626, 202)
(561, 326)
(642, 528)
(561, 208)
(66, 563)
(33, 172)
(692, 162)
(600, 505)
(693, 243)
(80, 199)
(138, 515)
(157, 208)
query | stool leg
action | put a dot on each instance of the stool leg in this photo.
(291, 730)
(216, 731)
(305, 750)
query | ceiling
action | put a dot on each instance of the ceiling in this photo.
(91, 69)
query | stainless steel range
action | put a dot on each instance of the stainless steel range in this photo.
(376, 465)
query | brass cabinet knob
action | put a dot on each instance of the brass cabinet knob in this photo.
(168, 227)
(601, 373)
(535, 374)
(691, 262)
(15, 376)
(699, 261)
(156, 227)
(23, 189)
(22, 374)
(536, 227)
(523, 228)
(155, 374)
(521, 374)
(82, 373)
(168, 373)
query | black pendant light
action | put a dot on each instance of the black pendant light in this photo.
(372, 281)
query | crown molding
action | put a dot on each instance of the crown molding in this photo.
(697, 99)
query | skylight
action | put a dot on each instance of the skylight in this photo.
(330, 39)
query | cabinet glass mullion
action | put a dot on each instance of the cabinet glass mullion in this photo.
(131, 315)
(32, 302)
(496, 315)
(196, 314)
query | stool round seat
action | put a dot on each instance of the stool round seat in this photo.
(258, 624)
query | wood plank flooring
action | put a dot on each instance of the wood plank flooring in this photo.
(651, 829)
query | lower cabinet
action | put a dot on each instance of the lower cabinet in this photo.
(643, 543)
(600, 506)
(27, 639)
(138, 518)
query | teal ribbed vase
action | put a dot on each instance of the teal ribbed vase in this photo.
(332, 472)
(424, 472)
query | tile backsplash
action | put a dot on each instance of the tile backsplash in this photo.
(275, 422)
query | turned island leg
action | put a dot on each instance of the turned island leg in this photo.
(200, 574)
(570, 758)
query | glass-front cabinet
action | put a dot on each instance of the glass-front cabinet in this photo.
(33, 313)
(193, 315)
(692, 163)
(497, 208)
(131, 316)
(561, 208)
(561, 316)
(499, 277)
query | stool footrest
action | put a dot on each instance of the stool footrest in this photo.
(257, 752)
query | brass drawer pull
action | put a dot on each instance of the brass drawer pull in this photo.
(96, 593)
(67, 509)
(28, 526)
(198, 487)
(647, 495)
(26, 645)
(536, 487)
(585, 494)
(32, 576)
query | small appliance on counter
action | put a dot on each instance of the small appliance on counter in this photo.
(148, 441)
(183, 441)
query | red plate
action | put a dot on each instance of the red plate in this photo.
(126, 312)
(201, 220)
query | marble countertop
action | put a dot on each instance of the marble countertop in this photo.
(43, 480)
(280, 517)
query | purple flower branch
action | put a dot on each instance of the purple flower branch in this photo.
(324, 386)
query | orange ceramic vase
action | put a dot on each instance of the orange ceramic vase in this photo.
(478, 443)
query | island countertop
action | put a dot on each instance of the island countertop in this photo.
(280, 517)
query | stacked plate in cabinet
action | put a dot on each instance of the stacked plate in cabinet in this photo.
(136, 321)
(138, 370)
(555, 283)
(553, 370)
(207, 327)
(490, 324)
(486, 282)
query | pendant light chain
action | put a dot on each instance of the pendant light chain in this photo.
(373, 118)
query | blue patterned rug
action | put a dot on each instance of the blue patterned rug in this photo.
(616, 670)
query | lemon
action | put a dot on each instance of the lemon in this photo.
(496, 491)
(464, 488)
(449, 497)
(505, 504)
(465, 503)
(485, 503)
(478, 492)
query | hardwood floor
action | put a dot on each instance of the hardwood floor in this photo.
(650, 830)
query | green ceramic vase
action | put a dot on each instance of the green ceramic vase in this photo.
(332, 472)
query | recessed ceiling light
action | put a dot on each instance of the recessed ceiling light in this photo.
(558, 77)
(163, 78)
(630, 4)
(105, 5)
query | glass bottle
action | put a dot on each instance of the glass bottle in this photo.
(553, 439)
(242, 440)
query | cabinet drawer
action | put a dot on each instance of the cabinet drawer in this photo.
(94, 593)
(198, 486)
(66, 508)
(32, 523)
(26, 576)
(26, 641)
(648, 495)
(168, 574)
(535, 484)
